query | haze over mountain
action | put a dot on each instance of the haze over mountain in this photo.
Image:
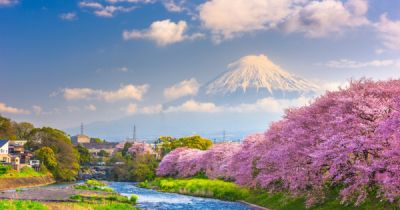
(236, 101)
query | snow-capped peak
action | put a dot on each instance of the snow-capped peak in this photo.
(257, 72)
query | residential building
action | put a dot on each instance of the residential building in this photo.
(80, 139)
(4, 156)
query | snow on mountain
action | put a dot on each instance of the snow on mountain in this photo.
(257, 72)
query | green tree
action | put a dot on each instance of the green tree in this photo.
(103, 153)
(167, 143)
(143, 168)
(124, 151)
(97, 140)
(6, 129)
(22, 130)
(66, 155)
(84, 154)
(140, 168)
(47, 157)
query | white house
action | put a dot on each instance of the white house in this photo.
(4, 156)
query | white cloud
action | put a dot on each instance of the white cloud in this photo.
(78, 93)
(11, 110)
(91, 107)
(184, 88)
(229, 18)
(152, 109)
(37, 110)
(389, 32)
(123, 93)
(163, 32)
(351, 64)
(8, 2)
(269, 105)
(92, 5)
(131, 109)
(69, 16)
(323, 18)
(130, 1)
(194, 106)
(173, 6)
(104, 10)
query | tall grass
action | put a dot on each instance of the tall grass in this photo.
(278, 201)
(203, 188)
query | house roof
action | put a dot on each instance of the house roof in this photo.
(3, 142)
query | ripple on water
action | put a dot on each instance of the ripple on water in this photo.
(151, 199)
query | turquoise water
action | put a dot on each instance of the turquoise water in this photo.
(151, 199)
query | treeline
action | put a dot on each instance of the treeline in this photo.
(138, 161)
(346, 143)
(51, 146)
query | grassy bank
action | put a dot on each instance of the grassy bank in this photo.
(28, 181)
(91, 195)
(24, 172)
(277, 201)
(33, 205)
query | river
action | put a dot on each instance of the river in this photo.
(151, 199)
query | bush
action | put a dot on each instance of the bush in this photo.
(94, 185)
(4, 169)
(133, 199)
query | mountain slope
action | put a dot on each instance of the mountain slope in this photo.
(257, 72)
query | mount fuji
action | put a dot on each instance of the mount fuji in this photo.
(253, 77)
(252, 83)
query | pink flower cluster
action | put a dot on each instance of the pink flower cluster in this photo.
(349, 138)
(214, 162)
(137, 148)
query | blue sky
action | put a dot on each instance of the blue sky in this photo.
(118, 57)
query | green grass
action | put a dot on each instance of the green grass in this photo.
(89, 206)
(111, 198)
(21, 205)
(276, 201)
(24, 172)
(93, 185)
(203, 188)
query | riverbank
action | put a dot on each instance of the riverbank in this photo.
(92, 195)
(25, 182)
(275, 201)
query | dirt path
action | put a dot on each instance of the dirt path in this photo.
(48, 194)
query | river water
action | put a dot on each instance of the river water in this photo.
(151, 199)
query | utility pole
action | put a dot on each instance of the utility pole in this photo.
(134, 133)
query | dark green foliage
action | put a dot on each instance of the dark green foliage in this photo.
(84, 154)
(22, 130)
(4, 169)
(47, 157)
(139, 168)
(6, 129)
(124, 151)
(103, 153)
(66, 155)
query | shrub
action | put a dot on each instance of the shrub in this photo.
(4, 169)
